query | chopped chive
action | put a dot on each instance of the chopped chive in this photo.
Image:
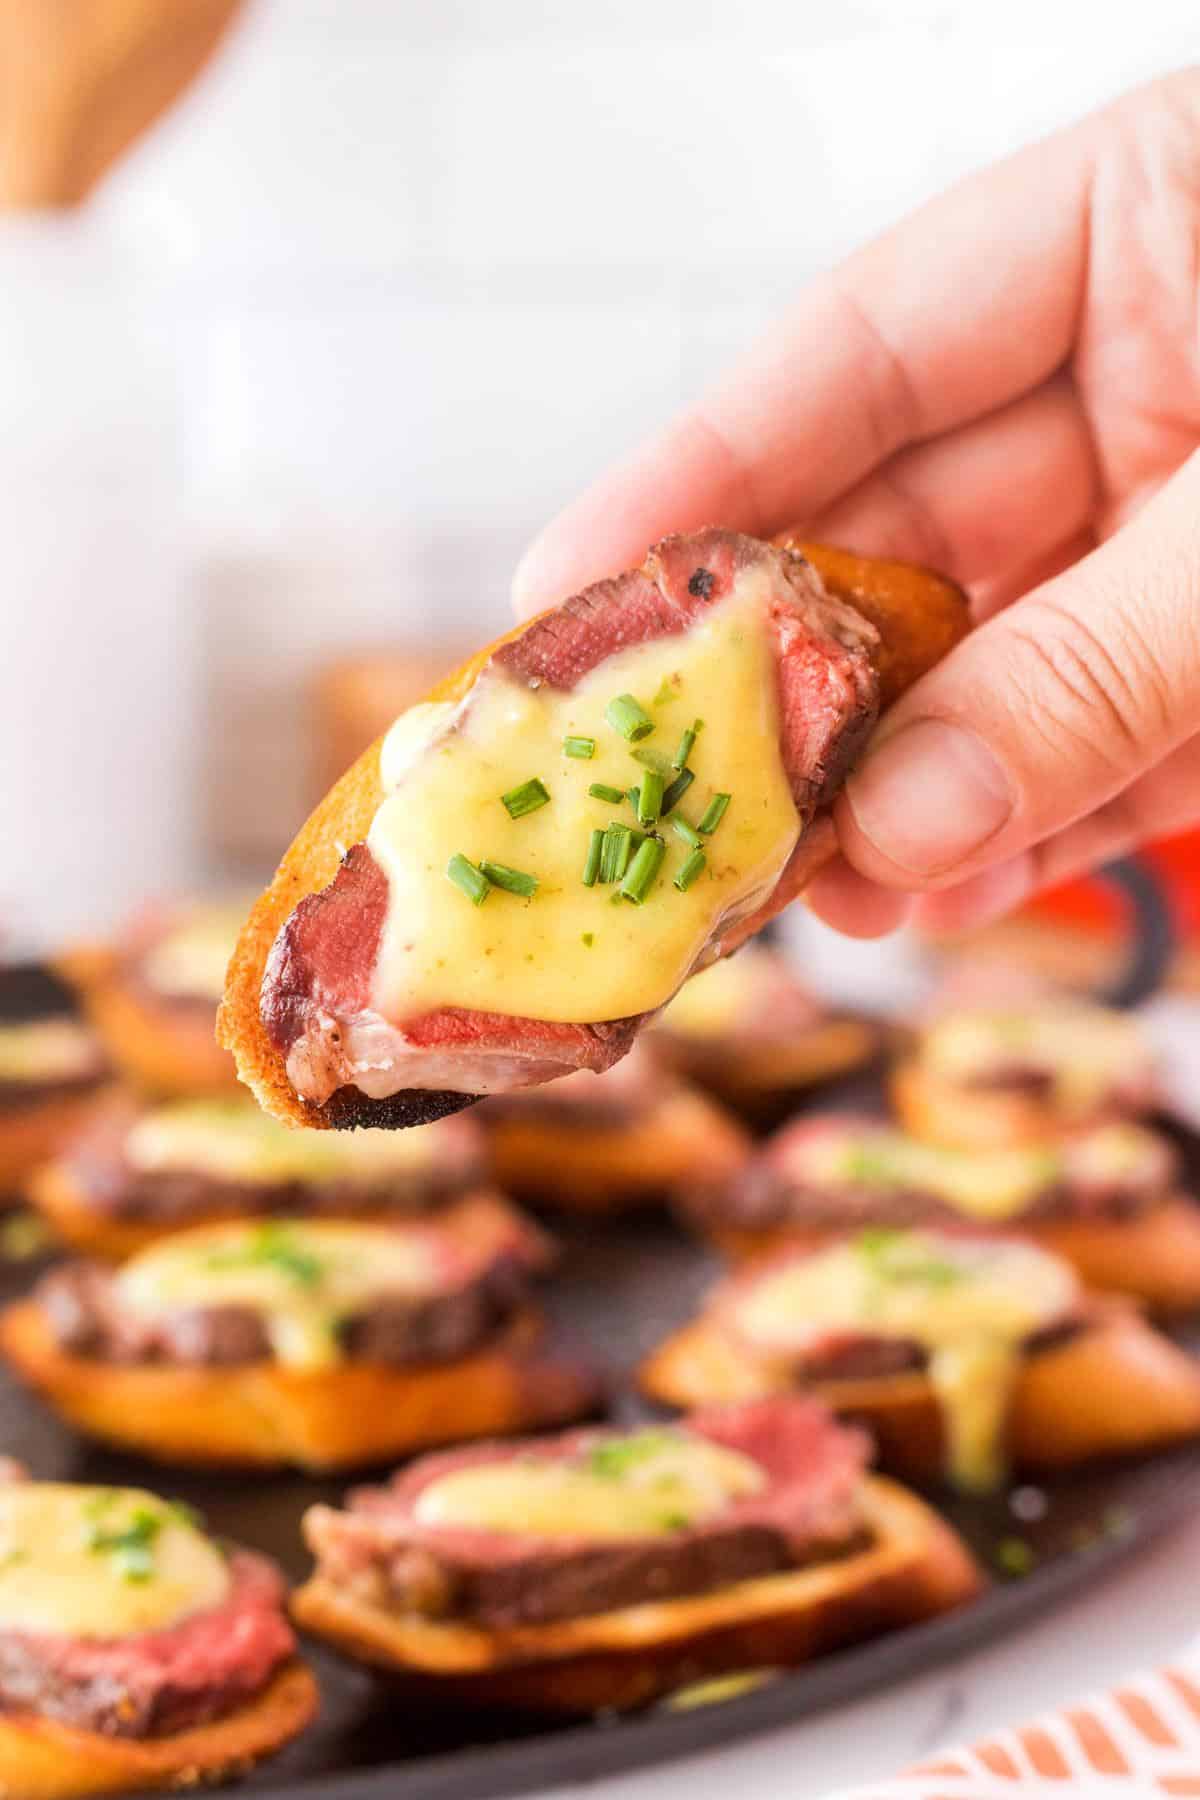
(687, 832)
(642, 871)
(473, 882)
(652, 759)
(634, 797)
(513, 881)
(589, 938)
(666, 690)
(618, 848)
(600, 790)
(714, 812)
(527, 798)
(591, 867)
(626, 716)
(679, 760)
(583, 748)
(677, 790)
(650, 797)
(692, 866)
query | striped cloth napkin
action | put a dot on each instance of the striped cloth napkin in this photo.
(1139, 1742)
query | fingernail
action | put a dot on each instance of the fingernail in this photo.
(930, 796)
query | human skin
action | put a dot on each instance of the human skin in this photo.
(1005, 386)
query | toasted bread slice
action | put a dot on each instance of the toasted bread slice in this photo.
(913, 1567)
(1117, 1387)
(919, 615)
(41, 1759)
(267, 1416)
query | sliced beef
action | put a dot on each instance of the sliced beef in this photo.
(806, 1512)
(356, 1067)
(155, 1683)
(82, 1304)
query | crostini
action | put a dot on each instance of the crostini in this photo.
(52, 1070)
(606, 1143)
(963, 1353)
(748, 1031)
(153, 996)
(135, 1653)
(1106, 1198)
(604, 1569)
(136, 1173)
(303, 1342)
(529, 865)
(984, 1077)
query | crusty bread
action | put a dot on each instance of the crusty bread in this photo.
(914, 1567)
(919, 616)
(31, 1134)
(1115, 1388)
(267, 1416)
(41, 1759)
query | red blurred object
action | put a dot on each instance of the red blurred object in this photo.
(1093, 906)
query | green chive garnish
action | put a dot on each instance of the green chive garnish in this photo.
(527, 798)
(583, 748)
(687, 832)
(513, 881)
(618, 848)
(591, 867)
(650, 797)
(600, 790)
(626, 716)
(677, 790)
(652, 759)
(473, 882)
(679, 760)
(693, 865)
(642, 871)
(714, 812)
(589, 938)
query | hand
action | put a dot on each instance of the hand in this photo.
(1007, 387)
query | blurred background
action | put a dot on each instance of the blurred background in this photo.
(311, 311)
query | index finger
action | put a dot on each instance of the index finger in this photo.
(967, 304)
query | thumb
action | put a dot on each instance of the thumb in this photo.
(1042, 714)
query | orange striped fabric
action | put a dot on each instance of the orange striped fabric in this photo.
(1138, 1743)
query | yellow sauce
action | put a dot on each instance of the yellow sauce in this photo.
(303, 1278)
(969, 1304)
(191, 961)
(101, 1562)
(47, 1050)
(570, 953)
(651, 1483)
(1085, 1049)
(233, 1140)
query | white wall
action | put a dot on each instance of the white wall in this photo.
(418, 269)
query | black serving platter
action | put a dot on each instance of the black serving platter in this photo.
(622, 1286)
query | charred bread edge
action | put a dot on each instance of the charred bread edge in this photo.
(916, 1567)
(1117, 1387)
(920, 615)
(42, 1759)
(264, 1415)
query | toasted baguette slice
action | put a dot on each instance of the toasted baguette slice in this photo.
(607, 1167)
(31, 1134)
(41, 1759)
(1115, 1388)
(1154, 1256)
(914, 1567)
(267, 1416)
(163, 1048)
(919, 616)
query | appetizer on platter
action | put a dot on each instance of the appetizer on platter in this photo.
(530, 864)
(604, 1569)
(52, 1069)
(748, 1031)
(603, 1143)
(964, 1354)
(1105, 1197)
(991, 1076)
(153, 997)
(136, 1173)
(135, 1652)
(303, 1342)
